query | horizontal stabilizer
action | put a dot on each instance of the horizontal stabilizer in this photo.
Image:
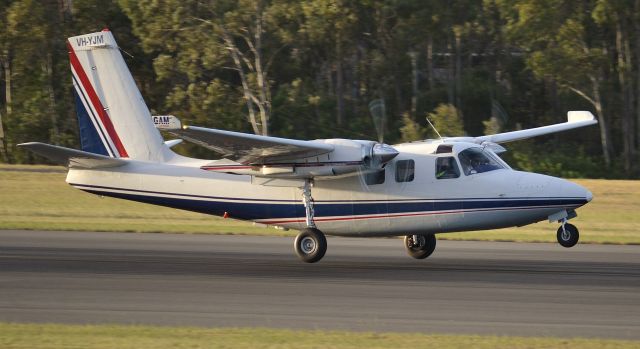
(72, 158)
(173, 142)
(249, 148)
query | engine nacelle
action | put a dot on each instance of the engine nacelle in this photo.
(349, 157)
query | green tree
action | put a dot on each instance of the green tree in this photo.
(32, 81)
(411, 130)
(616, 17)
(555, 35)
(446, 119)
(332, 24)
(5, 74)
(202, 48)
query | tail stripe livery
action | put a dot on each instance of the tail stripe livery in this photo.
(92, 138)
(96, 111)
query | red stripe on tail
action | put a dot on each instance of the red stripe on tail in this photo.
(97, 104)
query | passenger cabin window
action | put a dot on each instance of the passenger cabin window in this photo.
(405, 170)
(475, 160)
(447, 167)
(373, 178)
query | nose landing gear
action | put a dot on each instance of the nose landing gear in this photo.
(420, 246)
(568, 235)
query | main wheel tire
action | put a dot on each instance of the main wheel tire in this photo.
(569, 236)
(422, 248)
(310, 245)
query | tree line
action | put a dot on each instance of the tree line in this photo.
(368, 69)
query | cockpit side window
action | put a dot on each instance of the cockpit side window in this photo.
(475, 160)
(447, 167)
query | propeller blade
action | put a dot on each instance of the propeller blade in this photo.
(378, 112)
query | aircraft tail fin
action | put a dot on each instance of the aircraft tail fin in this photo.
(113, 117)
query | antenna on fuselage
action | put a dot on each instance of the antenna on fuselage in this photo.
(433, 127)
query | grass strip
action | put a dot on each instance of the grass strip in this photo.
(50, 336)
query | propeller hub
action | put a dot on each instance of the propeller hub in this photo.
(383, 153)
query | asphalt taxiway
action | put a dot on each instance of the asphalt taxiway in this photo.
(361, 284)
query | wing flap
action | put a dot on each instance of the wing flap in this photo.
(248, 148)
(72, 158)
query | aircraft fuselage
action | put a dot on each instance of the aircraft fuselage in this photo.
(348, 206)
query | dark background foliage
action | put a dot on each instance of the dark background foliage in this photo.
(309, 69)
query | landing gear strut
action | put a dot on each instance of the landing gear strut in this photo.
(420, 246)
(568, 235)
(310, 245)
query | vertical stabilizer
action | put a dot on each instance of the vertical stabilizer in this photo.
(113, 117)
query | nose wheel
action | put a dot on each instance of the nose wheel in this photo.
(420, 246)
(568, 235)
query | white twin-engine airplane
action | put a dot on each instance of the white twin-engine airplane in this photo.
(326, 186)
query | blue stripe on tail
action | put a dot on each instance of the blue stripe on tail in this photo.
(89, 138)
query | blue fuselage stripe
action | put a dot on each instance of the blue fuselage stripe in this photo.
(253, 209)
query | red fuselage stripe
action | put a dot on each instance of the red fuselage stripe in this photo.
(353, 218)
(219, 168)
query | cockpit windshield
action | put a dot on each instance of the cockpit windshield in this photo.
(477, 160)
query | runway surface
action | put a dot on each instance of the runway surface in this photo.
(361, 284)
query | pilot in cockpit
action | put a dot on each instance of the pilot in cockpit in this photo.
(446, 168)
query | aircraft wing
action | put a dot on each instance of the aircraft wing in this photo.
(71, 157)
(575, 119)
(248, 148)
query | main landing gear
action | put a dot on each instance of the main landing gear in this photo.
(310, 245)
(420, 246)
(568, 235)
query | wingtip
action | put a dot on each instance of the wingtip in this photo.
(580, 115)
(28, 144)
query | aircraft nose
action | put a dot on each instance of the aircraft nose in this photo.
(588, 195)
(576, 191)
(569, 193)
